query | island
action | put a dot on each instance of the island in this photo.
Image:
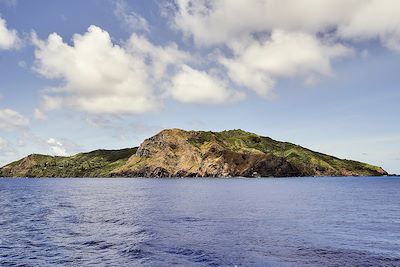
(180, 153)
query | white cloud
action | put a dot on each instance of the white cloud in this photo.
(99, 77)
(8, 37)
(272, 40)
(102, 77)
(375, 19)
(12, 120)
(129, 19)
(194, 86)
(285, 54)
(217, 22)
(280, 39)
(57, 147)
(157, 58)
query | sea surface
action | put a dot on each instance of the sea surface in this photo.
(200, 222)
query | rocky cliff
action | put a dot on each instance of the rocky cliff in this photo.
(179, 153)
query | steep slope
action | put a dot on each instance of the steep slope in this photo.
(179, 153)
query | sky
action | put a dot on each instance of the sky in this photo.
(82, 75)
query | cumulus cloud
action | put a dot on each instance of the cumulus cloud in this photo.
(57, 147)
(194, 86)
(8, 37)
(284, 54)
(129, 19)
(100, 76)
(12, 120)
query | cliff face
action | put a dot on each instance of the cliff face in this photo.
(179, 153)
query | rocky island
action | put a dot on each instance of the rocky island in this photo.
(179, 153)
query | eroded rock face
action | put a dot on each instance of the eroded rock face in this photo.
(178, 153)
(22, 169)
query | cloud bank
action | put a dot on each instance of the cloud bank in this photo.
(272, 40)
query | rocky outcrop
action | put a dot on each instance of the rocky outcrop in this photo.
(179, 153)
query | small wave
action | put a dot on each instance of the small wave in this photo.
(194, 255)
(184, 219)
(98, 244)
(92, 243)
(115, 221)
(65, 205)
(135, 252)
(192, 219)
(344, 257)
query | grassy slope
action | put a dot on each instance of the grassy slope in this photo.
(92, 164)
(304, 159)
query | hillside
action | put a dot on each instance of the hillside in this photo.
(97, 163)
(179, 153)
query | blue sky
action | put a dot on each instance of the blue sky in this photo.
(81, 75)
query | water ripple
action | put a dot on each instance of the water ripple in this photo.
(200, 222)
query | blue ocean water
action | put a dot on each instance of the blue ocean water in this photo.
(200, 222)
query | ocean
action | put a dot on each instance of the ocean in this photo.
(343, 221)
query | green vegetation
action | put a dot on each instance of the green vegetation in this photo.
(308, 161)
(194, 153)
(97, 163)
